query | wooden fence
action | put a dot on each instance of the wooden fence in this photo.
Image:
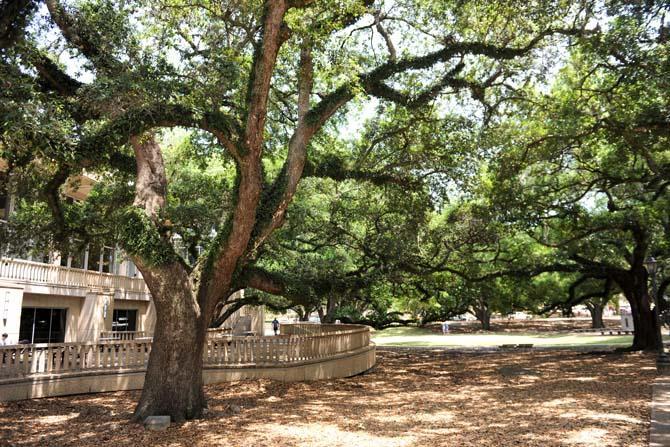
(19, 361)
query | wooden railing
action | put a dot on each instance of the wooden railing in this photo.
(219, 332)
(19, 361)
(55, 358)
(36, 272)
(285, 349)
(123, 335)
(314, 328)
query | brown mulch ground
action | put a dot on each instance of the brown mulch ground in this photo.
(426, 397)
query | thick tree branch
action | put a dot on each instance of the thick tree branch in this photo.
(52, 77)
(265, 58)
(387, 37)
(13, 20)
(282, 191)
(223, 259)
(262, 280)
(151, 178)
(372, 81)
(119, 130)
(79, 38)
(52, 193)
(336, 170)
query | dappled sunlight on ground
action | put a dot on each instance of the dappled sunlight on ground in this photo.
(430, 397)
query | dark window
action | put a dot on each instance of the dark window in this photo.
(124, 320)
(42, 325)
(76, 259)
(94, 258)
(100, 258)
(107, 259)
(4, 197)
(131, 269)
(4, 205)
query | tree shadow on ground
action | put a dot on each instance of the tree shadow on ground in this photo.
(412, 397)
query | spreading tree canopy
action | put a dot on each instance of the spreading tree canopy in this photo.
(89, 85)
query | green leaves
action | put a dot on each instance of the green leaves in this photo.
(140, 238)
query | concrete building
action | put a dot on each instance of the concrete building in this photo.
(55, 298)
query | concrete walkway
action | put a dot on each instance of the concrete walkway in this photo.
(660, 413)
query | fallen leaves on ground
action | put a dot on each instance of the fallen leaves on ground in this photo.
(427, 397)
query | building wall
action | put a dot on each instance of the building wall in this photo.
(86, 318)
(248, 318)
(146, 313)
(95, 317)
(73, 317)
(11, 299)
(90, 313)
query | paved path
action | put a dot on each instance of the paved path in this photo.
(660, 413)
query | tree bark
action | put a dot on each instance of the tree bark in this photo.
(173, 384)
(566, 312)
(485, 320)
(634, 287)
(331, 308)
(483, 314)
(596, 311)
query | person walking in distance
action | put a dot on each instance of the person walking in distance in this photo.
(275, 326)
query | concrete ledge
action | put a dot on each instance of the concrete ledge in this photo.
(343, 365)
(659, 430)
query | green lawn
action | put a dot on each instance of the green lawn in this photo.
(412, 336)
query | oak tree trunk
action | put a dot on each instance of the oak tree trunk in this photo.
(596, 311)
(483, 314)
(485, 320)
(173, 384)
(331, 308)
(644, 321)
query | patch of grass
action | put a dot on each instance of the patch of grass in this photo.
(423, 337)
(402, 331)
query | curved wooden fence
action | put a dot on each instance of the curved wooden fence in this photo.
(298, 344)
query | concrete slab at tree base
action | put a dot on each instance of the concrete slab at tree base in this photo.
(663, 366)
(157, 423)
(659, 435)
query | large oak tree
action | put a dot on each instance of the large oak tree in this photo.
(88, 85)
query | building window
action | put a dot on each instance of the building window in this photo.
(100, 258)
(4, 204)
(5, 197)
(42, 325)
(75, 260)
(131, 269)
(124, 320)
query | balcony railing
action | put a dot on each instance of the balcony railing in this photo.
(124, 335)
(24, 361)
(37, 273)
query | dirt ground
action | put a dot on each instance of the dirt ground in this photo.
(413, 397)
